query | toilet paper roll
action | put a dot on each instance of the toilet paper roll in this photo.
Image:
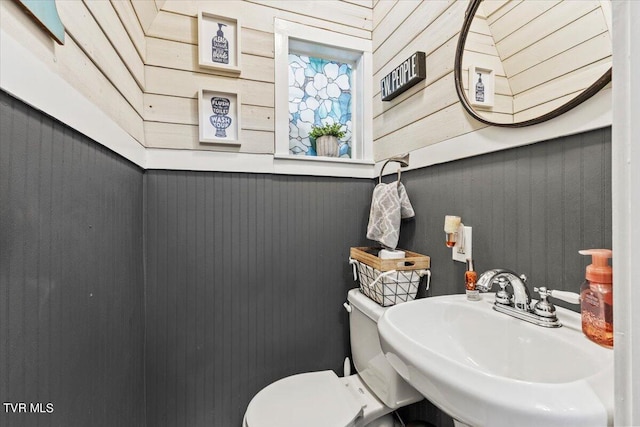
(387, 254)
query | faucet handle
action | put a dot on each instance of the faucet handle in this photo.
(570, 297)
(544, 307)
(542, 290)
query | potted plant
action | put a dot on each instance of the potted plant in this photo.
(326, 137)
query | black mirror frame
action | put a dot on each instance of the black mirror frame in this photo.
(586, 94)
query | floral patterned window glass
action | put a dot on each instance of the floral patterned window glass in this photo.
(319, 93)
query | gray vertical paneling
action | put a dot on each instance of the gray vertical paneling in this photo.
(531, 208)
(71, 275)
(266, 257)
(246, 276)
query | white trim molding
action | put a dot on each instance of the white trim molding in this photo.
(198, 160)
(195, 160)
(592, 114)
(625, 207)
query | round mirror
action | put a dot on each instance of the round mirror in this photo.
(521, 62)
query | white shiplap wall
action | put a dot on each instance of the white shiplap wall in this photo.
(105, 68)
(551, 50)
(430, 111)
(136, 60)
(174, 77)
(428, 119)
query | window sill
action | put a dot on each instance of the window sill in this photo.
(322, 166)
(323, 159)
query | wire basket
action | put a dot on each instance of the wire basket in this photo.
(389, 281)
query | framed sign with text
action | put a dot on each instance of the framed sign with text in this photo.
(219, 117)
(219, 42)
(404, 76)
(481, 86)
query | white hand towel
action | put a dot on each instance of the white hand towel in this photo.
(389, 204)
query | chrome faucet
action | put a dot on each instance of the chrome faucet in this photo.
(518, 303)
(521, 296)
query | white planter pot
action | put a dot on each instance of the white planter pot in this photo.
(327, 145)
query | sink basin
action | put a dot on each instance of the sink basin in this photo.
(486, 368)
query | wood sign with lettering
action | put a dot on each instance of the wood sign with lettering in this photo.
(405, 75)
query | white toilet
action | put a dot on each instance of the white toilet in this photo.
(322, 399)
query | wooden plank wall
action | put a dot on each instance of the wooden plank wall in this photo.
(102, 56)
(551, 50)
(173, 76)
(137, 60)
(430, 111)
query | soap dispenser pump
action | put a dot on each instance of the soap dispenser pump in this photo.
(596, 298)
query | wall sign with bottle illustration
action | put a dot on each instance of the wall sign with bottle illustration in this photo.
(481, 86)
(218, 117)
(219, 42)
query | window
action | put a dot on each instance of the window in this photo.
(322, 77)
(319, 94)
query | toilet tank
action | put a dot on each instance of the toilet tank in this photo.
(368, 357)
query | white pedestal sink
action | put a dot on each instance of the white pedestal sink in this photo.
(485, 368)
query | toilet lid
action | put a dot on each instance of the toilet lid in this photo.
(314, 399)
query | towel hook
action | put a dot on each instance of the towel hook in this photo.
(403, 160)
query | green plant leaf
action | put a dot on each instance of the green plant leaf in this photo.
(328, 129)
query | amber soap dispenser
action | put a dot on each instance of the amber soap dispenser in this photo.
(470, 280)
(596, 298)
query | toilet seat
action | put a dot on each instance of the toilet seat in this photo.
(313, 399)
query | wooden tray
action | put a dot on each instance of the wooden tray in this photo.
(369, 256)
